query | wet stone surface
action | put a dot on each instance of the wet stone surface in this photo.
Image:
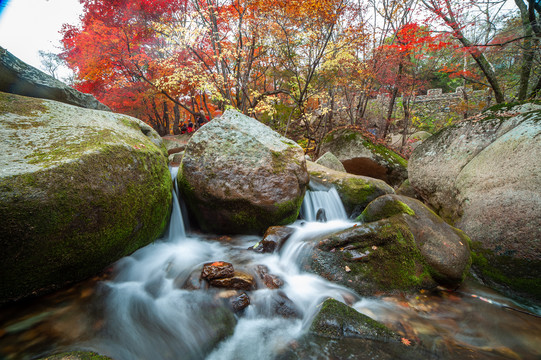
(217, 270)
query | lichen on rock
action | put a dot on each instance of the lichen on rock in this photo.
(79, 189)
(239, 176)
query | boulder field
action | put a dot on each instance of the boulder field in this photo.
(79, 189)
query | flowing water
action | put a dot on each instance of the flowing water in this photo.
(143, 309)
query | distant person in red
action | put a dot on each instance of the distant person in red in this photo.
(190, 127)
(183, 129)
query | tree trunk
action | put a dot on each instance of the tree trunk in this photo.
(176, 121)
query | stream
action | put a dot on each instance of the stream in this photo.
(144, 307)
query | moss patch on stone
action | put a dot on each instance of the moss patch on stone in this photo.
(21, 105)
(518, 278)
(67, 222)
(375, 211)
(381, 256)
(336, 320)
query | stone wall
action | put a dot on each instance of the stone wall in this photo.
(433, 110)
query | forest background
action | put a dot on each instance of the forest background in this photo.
(304, 67)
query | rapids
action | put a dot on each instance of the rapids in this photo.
(142, 311)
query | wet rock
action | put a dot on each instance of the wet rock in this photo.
(321, 216)
(282, 306)
(360, 156)
(273, 239)
(193, 282)
(217, 270)
(238, 280)
(239, 302)
(336, 320)
(271, 281)
(354, 191)
(17, 77)
(239, 176)
(403, 246)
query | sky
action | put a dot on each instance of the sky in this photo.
(27, 26)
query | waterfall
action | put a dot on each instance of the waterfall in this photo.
(176, 224)
(328, 200)
(148, 311)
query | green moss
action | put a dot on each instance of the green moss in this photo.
(336, 320)
(388, 155)
(77, 355)
(381, 256)
(518, 277)
(375, 211)
(24, 106)
(356, 193)
(70, 223)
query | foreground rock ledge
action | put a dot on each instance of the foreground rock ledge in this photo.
(79, 189)
(239, 176)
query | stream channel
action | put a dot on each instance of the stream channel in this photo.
(141, 309)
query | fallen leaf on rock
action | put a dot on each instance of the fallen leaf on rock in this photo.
(348, 269)
(405, 341)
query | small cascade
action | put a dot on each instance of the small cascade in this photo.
(176, 224)
(322, 205)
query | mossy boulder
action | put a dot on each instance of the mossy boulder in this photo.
(483, 177)
(355, 191)
(340, 332)
(79, 189)
(403, 247)
(337, 320)
(239, 176)
(361, 156)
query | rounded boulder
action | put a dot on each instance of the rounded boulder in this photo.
(79, 189)
(239, 176)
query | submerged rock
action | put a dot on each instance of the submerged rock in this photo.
(403, 246)
(19, 78)
(239, 176)
(239, 302)
(79, 189)
(271, 281)
(484, 177)
(360, 156)
(355, 191)
(273, 239)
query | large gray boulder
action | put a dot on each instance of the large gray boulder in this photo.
(17, 77)
(484, 177)
(361, 156)
(239, 176)
(79, 189)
